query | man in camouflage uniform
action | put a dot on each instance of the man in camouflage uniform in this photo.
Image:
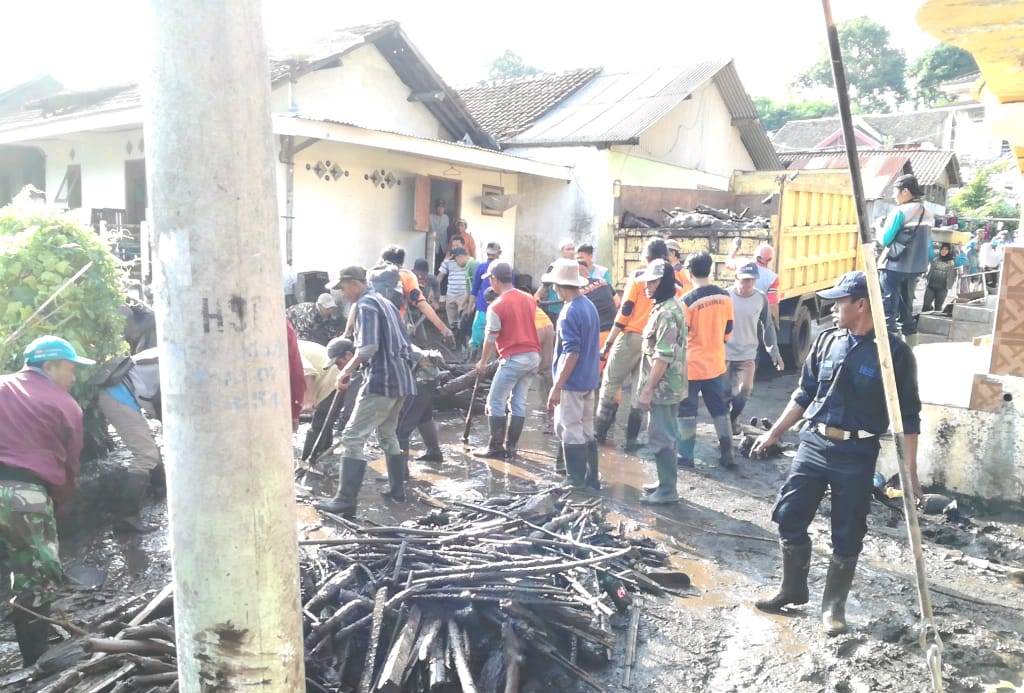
(318, 322)
(662, 382)
(40, 442)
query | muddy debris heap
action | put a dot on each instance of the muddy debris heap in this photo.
(519, 592)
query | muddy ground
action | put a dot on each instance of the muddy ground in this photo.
(722, 536)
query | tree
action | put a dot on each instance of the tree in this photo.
(874, 70)
(775, 115)
(979, 199)
(937, 65)
(508, 65)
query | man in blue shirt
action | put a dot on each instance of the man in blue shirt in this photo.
(841, 399)
(576, 377)
(479, 289)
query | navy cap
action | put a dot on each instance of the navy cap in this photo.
(748, 271)
(850, 284)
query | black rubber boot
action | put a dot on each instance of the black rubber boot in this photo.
(397, 474)
(666, 492)
(134, 484)
(576, 465)
(724, 430)
(633, 425)
(428, 432)
(796, 564)
(593, 475)
(560, 462)
(350, 480)
(158, 481)
(837, 588)
(603, 423)
(31, 633)
(515, 429)
(496, 445)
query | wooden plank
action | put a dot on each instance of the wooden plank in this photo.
(401, 655)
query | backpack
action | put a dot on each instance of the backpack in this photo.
(387, 281)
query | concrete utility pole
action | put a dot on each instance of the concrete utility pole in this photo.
(223, 354)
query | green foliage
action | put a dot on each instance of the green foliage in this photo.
(39, 251)
(978, 199)
(508, 65)
(937, 65)
(775, 115)
(874, 69)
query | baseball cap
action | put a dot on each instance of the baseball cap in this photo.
(326, 301)
(655, 270)
(493, 248)
(338, 347)
(673, 244)
(748, 271)
(850, 284)
(502, 271)
(51, 348)
(350, 273)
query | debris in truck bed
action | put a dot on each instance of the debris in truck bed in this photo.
(514, 589)
(704, 217)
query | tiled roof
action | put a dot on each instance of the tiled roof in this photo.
(919, 127)
(507, 107)
(927, 165)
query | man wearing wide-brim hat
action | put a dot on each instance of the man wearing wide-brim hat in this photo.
(575, 374)
(40, 442)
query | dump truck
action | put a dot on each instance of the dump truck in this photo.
(810, 219)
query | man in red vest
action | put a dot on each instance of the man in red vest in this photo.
(509, 327)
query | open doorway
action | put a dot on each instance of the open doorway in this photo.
(447, 193)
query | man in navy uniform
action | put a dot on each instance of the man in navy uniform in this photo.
(842, 402)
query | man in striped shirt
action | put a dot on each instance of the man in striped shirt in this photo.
(384, 353)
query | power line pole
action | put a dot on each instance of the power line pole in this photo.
(220, 313)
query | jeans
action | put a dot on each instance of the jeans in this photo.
(821, 463)
(512, 382)
(898, 300)
(716, 396)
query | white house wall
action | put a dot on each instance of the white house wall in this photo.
(348, 221)
(698, 134)
(551, 211)
(364, 90)
(101, 156)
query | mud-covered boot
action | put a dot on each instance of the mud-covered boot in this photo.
(603, 422)
(593, 474)
(515, 429)
(666, 492)
(31, 633)
(575, 466)
(837, 588)
(397, 474)
(134, 484)
(560, 461)
(633, 425)
(687, 441)
(496, 445)
(428, 432)
(724, 431)
(796, 564)
(349, 482)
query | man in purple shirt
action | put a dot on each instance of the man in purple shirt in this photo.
(40, 441)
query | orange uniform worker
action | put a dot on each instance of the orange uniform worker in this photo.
(413, 295)
(623, 351)
(675, 257)
(709, 316)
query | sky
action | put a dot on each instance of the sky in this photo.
(95, 43)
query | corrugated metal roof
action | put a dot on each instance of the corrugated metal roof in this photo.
(928, 165)
(389, 38)
(617, 107)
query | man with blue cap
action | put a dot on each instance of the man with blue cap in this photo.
(842, 403)
(40, 441)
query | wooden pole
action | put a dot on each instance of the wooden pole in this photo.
(223, 351)
(929, 632)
